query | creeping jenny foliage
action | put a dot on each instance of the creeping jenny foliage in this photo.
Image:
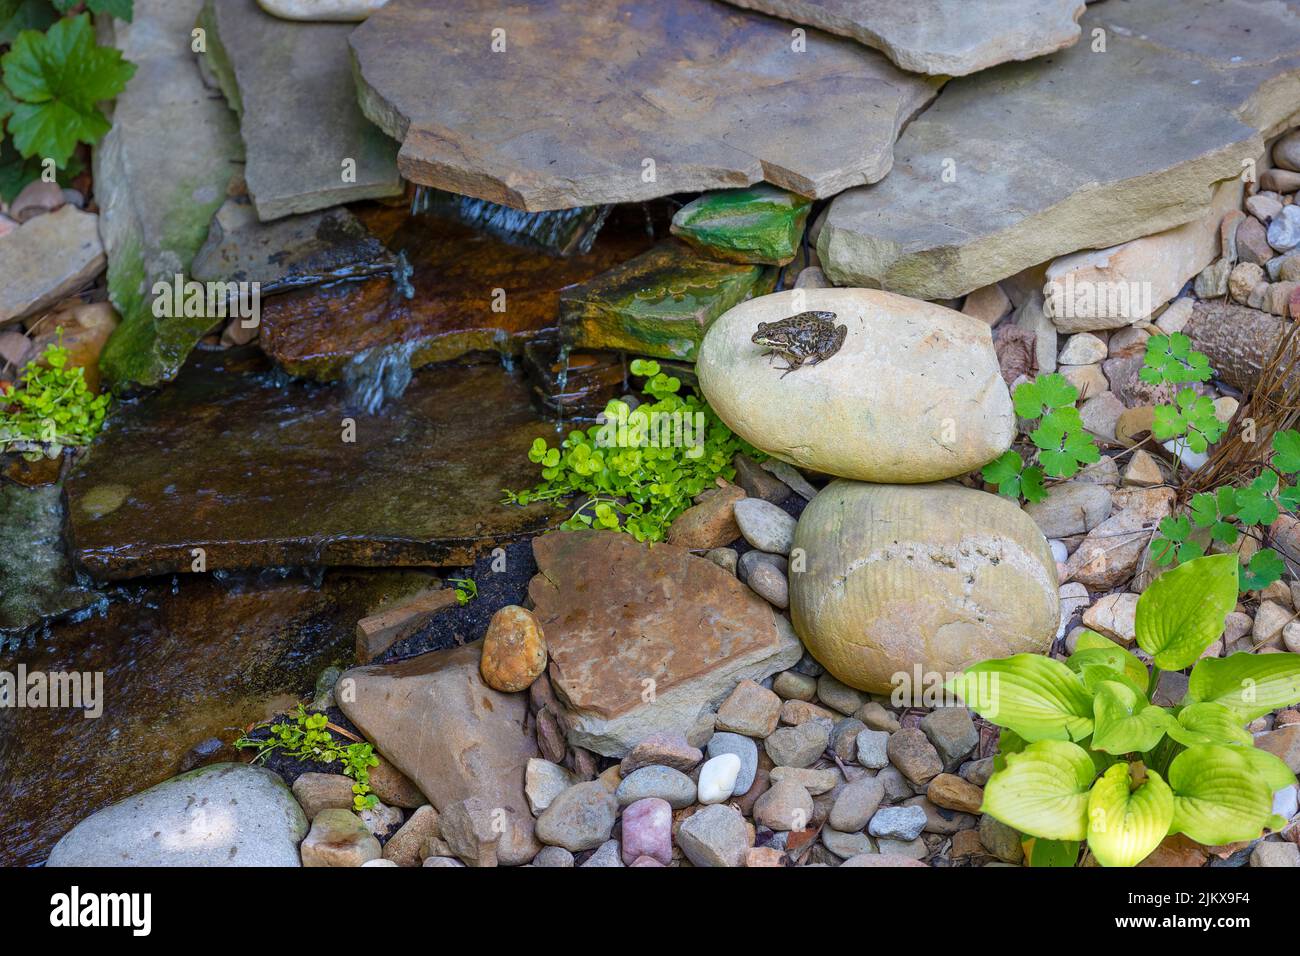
(53, 406)
(624, 480)
(1085, 753)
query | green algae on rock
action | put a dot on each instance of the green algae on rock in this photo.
(36, 580)
(659, 304)
(761, 224)
(160, 174)
(231, 468)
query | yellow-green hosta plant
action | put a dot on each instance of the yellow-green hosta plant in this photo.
(1084, 754)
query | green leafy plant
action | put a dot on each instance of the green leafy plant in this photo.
(641, 467)
(54, 406)
(1221, 516)
(1085, 753)
(307, 737)
(1061, 444)
(51, 84)
(466, 589)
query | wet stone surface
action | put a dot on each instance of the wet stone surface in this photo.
(261, 475)
(181, 662)
(35, 578)
(471, 292)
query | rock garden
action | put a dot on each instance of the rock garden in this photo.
(650, 434)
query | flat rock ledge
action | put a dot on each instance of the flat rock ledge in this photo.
(610, 101)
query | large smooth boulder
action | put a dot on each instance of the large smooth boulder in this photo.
(646, 639)
(934, 576)
(226, 814)
(913, 395)
(434, 718)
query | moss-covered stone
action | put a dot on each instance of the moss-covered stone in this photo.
(660, 303)
(160, 174)
(761, 224)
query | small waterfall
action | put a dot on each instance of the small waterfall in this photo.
(377, 375)
(562, 232)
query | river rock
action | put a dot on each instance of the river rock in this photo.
(786, 806)
(897, 823)
(48, 259)
(765, 526)
(436, 720)
(662, 749)
(160, 174)
(1074, 507)
(1012, 198)
(938, 37)
(292, 88)
(933, 577)
(647, 830)
(580, 818)
(715, 836)
(661, 303)
(855, 804)
(633, 86)
(514, 650)
(761, 224)
(744, 749)
(348, 10)
(1109, 553)
(798, 746)
(322, 791)
(602, 653)
(665, 783)
(897, 348)
(711, 523)
(194, 446)
(339, 838)
(220, 815)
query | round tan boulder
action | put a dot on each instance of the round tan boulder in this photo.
(937, 576)
(514, 650)
(914, 394)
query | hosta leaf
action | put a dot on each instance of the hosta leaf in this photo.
(1126, 825)
(1092, 649)
(1250, 685)
(1209, 723)
(1219, 797)
(1037, 697)
(1183, 610)
(1043, 791)
(1123, 720)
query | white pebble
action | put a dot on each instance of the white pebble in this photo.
(1059, 551)
(718, 778)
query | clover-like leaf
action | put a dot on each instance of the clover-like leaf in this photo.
(1263, 568)
(1286, 451)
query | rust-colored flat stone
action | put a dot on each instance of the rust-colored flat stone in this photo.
(259, 475)
(457, 307)
(607, 101)
(644, 638)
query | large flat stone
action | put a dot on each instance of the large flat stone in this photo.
(1026, 162)
(291, 84)
(46, 260)
(36, 580)
(259, 474)
(952, 37)
(180, 665)
(456, 307)
(588, 93)
(160, 174)
(454, 736)
(667, 638)
(660, 303)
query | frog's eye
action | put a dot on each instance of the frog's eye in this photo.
(763, 326)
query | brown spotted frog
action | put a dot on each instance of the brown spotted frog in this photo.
(806, 338)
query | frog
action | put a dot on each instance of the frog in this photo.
(804, 339)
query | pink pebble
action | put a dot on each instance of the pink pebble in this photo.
(648, 831)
